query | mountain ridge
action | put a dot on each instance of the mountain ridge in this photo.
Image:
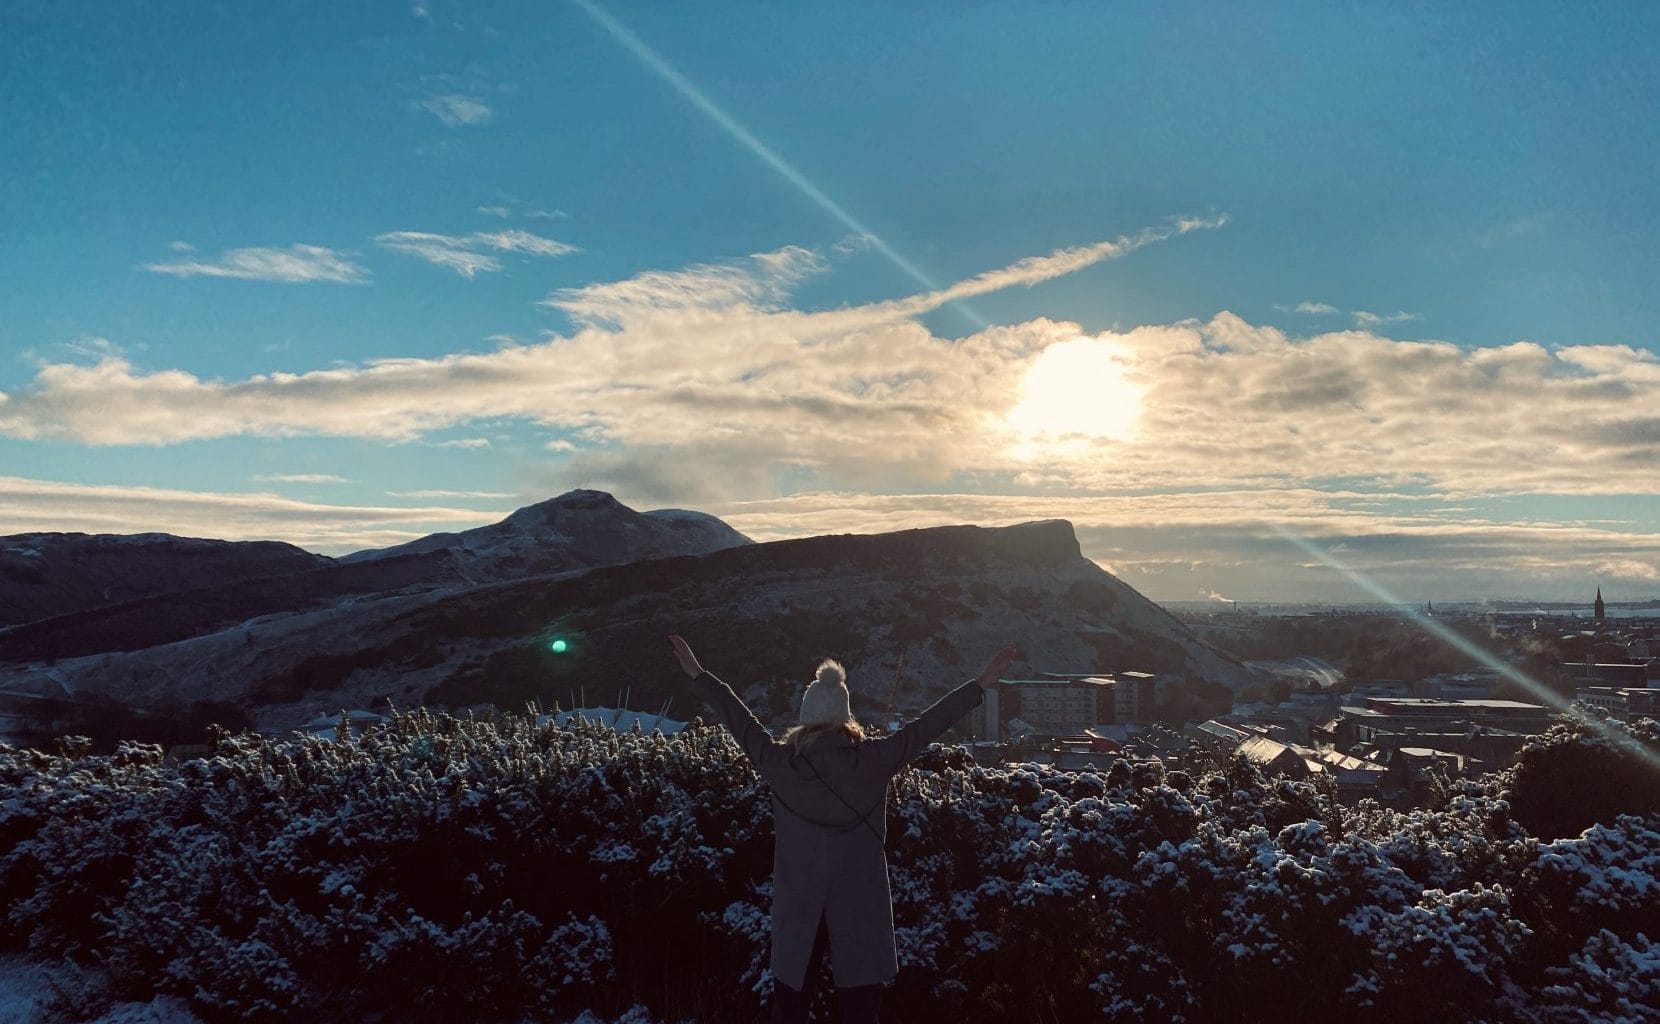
(760, 615)
(577, 529)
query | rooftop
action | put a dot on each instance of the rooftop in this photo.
(1426, 752)
(1408, 703)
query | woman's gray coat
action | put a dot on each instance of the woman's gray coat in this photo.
(826, 861)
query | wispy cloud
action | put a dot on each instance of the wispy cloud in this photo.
(88, 347)
(705, 387)
(467, 255)
(1227, 544)
(1365, 319)
(28, 505)
(297, 264)
(464, 442)
(457, 110)
(1362, 318)
(301, 478)
(705, 382)
(763, 280)
(1037, 269)
(1309, 308)
(449, 494)
(521, 210)
(854, 243)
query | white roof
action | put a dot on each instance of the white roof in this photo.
(620, 719)
(356, 716)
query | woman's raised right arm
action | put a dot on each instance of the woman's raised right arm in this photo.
(757, 743)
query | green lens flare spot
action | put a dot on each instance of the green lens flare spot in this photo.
(558, 646)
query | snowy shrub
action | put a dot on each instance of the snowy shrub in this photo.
(1610, 979)
(501, 870)
(1575, 775)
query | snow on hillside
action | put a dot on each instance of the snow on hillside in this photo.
(945, 597)
(577, 529)
(51, 574)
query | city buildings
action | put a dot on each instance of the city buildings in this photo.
(1067, 706)
(1382, 716)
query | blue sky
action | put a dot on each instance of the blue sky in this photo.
(1383, 277)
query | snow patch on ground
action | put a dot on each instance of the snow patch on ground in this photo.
(26, 988)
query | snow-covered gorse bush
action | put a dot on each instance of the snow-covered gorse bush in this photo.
(497, 870)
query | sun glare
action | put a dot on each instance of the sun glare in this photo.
(1075, 392)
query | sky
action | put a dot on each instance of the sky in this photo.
(1271, 301)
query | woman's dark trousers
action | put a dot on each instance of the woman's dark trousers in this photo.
(858, 1004)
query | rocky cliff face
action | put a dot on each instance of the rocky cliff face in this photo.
(759, 615)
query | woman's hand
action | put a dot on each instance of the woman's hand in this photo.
(688, 660)
(1000, 663)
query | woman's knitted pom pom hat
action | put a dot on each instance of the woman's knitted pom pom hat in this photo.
(825, 702)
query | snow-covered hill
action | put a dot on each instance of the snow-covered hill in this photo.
(133, 611)
(760, 615)
(578, 529)
(48, 574)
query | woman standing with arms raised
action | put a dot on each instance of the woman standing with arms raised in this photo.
(829, 798)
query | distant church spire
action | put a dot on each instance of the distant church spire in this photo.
(1598, 610)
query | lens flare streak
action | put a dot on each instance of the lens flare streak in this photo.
(727, 123)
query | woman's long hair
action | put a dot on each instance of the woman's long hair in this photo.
(799, 737)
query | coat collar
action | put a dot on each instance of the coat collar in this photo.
(839, 738)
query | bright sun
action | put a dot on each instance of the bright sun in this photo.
(1075, 393)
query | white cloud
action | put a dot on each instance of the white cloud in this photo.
(87, 347)
(1172, 546)
(457, 110)
(465, 442)
(448, 494)
(1629, 569)
(1362, 318)
(521, 210)
(465, 254)
(763, 280)
(1036, 269)
(1310, 308)
(45, 505)
(301, 478)
(1180, 545)
(182, 247)
(1365, 319)
(704, 386)
(854, 243)
(296, 264)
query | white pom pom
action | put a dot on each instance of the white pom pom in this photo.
(831, 673)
